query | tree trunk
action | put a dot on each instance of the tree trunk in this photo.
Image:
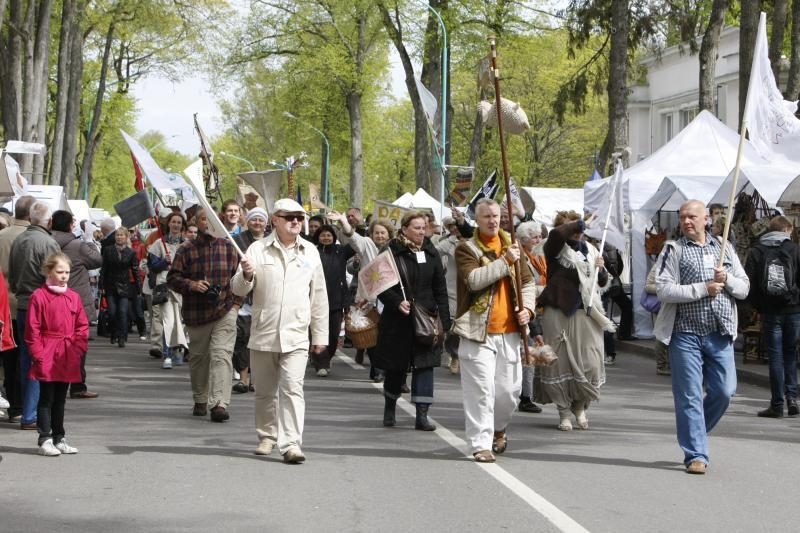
(62, 89)
(748, 28)
(11, 72)
(36, 129)
(709, 51)
(28, 88)
(780, 9)
(477, 134)
(431, 78)
(93, 136)
(356, 151)
(793, 83)
(617, 136)
(72, 120)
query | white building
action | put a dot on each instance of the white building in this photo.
(669, 101)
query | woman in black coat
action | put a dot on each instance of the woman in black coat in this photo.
(334, 259)
(120, 276)
(422, 275)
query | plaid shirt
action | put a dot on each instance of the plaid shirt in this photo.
(706, 315)
(205, 258)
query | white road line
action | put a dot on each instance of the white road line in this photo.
(535, 500)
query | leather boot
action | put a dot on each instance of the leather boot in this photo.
(422, 423)
(388, 412)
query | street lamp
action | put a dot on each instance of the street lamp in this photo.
(325, 180)
(289, 164)
(226, 154)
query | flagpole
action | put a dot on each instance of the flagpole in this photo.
(210, 213)
(523, 330)
(617, 176)
(762, 31)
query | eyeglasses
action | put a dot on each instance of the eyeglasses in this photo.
(292, 218)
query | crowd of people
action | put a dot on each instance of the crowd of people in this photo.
(251, 310)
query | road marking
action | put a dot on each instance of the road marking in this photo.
(535, 500)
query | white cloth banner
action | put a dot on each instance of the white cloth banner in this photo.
(429, 104)
(770, 119)
(616, 222)
(154, 174)
(22, 147)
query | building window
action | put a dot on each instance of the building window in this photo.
(687, 115)
(668, 131)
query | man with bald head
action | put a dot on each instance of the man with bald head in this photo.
(698, 322)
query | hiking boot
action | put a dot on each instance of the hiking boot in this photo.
(422, 422)
(527, 406)
(219, 414)
(199, 409)
(792, 405)
(388, 412)
(771, 412)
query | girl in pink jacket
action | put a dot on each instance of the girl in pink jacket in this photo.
(57, 334)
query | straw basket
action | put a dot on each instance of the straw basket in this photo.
(365, 337)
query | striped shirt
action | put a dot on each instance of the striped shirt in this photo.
(706, 315)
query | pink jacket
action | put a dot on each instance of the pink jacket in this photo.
(57, 335)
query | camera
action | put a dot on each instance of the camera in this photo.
(213, 292)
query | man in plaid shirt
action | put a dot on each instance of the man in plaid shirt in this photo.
(698, 322)
(202, 272)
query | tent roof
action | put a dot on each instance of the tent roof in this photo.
(673, 191)
(80, 209)
(404, 200)
(422, 199)
(705, 147)
(549, 200)
(770, 180)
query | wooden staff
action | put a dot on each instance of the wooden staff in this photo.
(523, 330)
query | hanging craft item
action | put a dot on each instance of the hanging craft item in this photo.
(514, 119)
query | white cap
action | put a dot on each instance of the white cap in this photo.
(287, 205)
(164, 212)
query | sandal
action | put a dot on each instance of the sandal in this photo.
(483, 456)
(565, 425)
(500, 442)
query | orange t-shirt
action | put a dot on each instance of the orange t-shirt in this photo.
(501, 317)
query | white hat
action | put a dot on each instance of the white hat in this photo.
(287, 205)
(256, 212)
(164, 212)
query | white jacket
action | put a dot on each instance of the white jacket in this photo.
(289, 296)
(671, 293)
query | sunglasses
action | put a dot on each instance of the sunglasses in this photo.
(292, 218)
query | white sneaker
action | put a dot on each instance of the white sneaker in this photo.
(64, 447)
(322, 373)
(236, 376)
(264, 447)
(142, 338)
(48, 449)
(167, 364)
(4, 403)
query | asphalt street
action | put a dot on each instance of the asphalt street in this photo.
(145, 464)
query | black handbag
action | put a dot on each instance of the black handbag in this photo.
(428, 327)
(160, 295)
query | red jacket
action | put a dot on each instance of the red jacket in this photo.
(57, 334)
(7, 339)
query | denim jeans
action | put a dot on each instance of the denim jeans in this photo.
(697, 360)
(781, 333)
(29, 388)
(421, 384)
(118, 315)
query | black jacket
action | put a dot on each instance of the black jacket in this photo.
(118, 268)
(334, 259)
(754, 268)
(425, 284)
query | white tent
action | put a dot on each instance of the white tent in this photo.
(671, 193)
(80, 209)
(52, 195)
(423, 199)
(549, 200)
(404, 200)
(706, 147)
(770, 180)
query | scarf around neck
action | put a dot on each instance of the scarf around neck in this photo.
(56, 289)
(408, 243)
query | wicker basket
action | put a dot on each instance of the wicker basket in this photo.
(366, 337)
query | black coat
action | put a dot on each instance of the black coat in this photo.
(118, 269)
(334, 264)
(425, 284)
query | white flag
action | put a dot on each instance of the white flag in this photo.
(771, 123)
(429, 104)
(616, 221)
(155, 175)
(21, 147)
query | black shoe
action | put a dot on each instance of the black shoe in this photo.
(219, 414)
(771, 412)
(240, 388)
(627, 338)
(155, 353)
(793, 410)
(199, 409)
(527, 406)
(422, 422)
(388, 412)
(121, 343)
(359, 357)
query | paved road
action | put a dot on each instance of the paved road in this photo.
(146, 464)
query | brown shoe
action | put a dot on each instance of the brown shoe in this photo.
(219, 414)
(32, 425)
(500, 442)
(83, 395)
(484, 456)
(696, 467)
(200, 409)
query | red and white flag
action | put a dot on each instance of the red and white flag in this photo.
(380, 274)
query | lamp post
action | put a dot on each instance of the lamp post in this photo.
(326, 178)
(289, 164)
(226, 154)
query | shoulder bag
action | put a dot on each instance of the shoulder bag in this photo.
(428, 327)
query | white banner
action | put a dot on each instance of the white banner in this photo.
(154, 174)
(22, 147)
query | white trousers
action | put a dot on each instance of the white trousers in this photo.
(491, 379)
(280, 405)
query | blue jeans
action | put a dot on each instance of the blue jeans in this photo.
(697, 360)
(118, 315)
(781, 333)
(29, 388)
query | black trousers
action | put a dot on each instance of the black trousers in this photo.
(241, 353)
(323, 360)
(50, 411)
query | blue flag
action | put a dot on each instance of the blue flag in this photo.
(595, 176)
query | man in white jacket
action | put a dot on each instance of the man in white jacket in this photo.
(698, 321)
(284, 272)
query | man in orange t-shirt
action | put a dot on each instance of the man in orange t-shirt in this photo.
(488, 320)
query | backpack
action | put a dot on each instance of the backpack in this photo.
(778, 276)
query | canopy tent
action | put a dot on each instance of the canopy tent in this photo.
(772, 181)
(706, 147)
(549, 200)
(52, 195)
(422, 199)
(80, 210)
(670, 194)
